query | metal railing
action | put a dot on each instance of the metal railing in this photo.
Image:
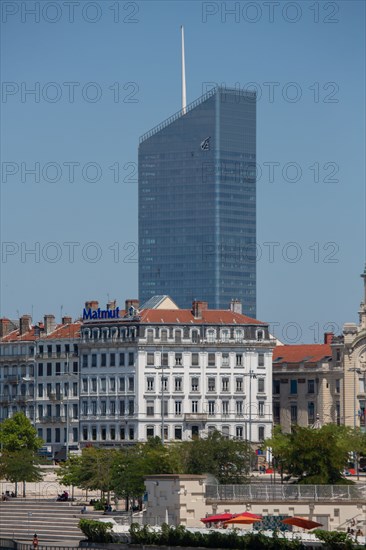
(272, 492)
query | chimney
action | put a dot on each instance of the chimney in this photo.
(92, 304)
(6, 326)
(49, 323)
(66, 320)
(132, 303)
(235, 306)
(198, 307)
(328, 337)
(25, 324)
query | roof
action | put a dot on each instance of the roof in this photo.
(305, 353)
(156, 302)
(70, 330)
(185, 316)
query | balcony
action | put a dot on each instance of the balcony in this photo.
(52, 419)
(53, 396)
(195, 417)
(13, 379)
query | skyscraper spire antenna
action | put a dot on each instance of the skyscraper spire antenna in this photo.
(184, 91)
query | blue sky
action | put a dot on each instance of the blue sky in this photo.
(108, 72)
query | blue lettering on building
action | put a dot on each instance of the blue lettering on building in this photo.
(100, 313)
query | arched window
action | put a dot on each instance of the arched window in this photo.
(210, 335)
(225, 335)
(238, 335)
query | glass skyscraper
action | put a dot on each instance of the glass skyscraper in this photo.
(197, 203)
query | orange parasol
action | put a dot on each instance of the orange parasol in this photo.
(242, 519)
(217, 518)
(302, 522)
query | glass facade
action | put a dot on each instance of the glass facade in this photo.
(197, 203)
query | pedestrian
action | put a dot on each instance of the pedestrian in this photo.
(359, 533)
(35, 541)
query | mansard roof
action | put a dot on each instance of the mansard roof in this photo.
(304, 353)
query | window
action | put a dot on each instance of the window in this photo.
(211, 359)
(226, 432)
(260, 335)
(239, 432)
(261, 385)
(293, 387)
(239, 408)
(40, 411)
(261, 433)
(85, 408)
(293, 410)
(338, 385)
(225, 359)
(49, 369)
(178, 384)
(211, 386)
(57, 435)
(131, 383)
(225, 335)
(178, 408)
(260, 359)
(103, 360)
(195, 359)
(311, 386)
(112, 384)
(211, 408)
(164, 383)
(58, 369)
(276, 387)
(311, 412)
(210, 336)
(225, 384)
(150, 336)
(276, 412)
(150, 408)
(164, 359)
(149, 431)
(194, 407)
(103, 433)
(150, 384)
(239, 384)
(121, 359)
(40, 390)
(94, 384)
(131, 407)
(164, 405)
(103, 385)
(131, 359)
(150, 360)
(75, 367)
(85, 384)
(122, 384)
(85, 433)
(112, 407)
(238, 335)
(239, 359)
(178, 359)
(194, 384)
(94, 360)
(122, 433)
(48, 435)
(178, 336)
(260, 408)
(40, 369)
(94, 408)
(225, 407)
(122, 408)
(112, 432)
(195, 338)
(84, 361)
(164, 335)
(177, 432)
(112, 359)
(75, 411)
(361, 382)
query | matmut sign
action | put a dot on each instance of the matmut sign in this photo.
(100, 313)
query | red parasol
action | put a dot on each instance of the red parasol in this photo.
(217, 518)
(302, 522)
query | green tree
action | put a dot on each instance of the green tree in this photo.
(70, 472)
(313, 456)
(227, 459)
(19, 444)
(18, 433)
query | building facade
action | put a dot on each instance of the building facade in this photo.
(120, 376)
(308, 384)
(197, 203)
(39, 375)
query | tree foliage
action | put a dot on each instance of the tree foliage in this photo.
(19, 465)
(18, 433)
(313, 456)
